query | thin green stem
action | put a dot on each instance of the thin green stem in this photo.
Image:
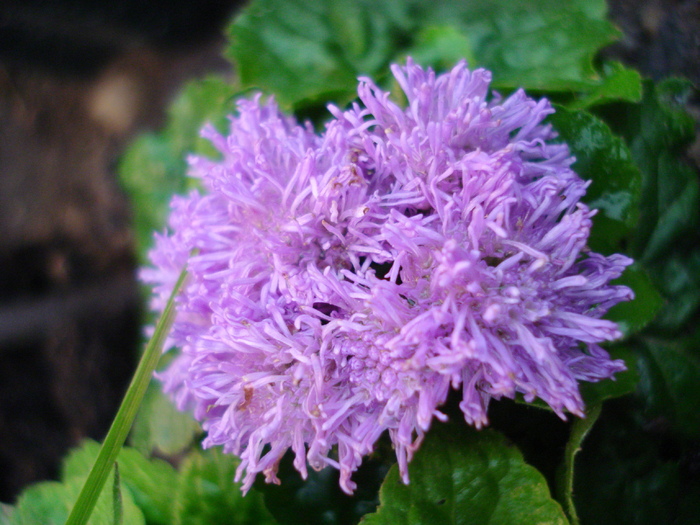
(125, 416)
(117, 501)
(565, 477)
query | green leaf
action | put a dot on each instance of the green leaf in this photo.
(209, 100)
(632, 316)
(294, 58)
(154, 166)
(658, 131)
(151, 481)
(49, 503)
(547, 45)
(666, 241)
(461, 475)
(604, 159)
(618, 84)
(310, 52)
(442, 46)
(670, 383)
(678, 195)
(207, 495)
(678, 278)
(150, 174)
(161, 427)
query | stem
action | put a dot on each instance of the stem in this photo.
(565, 476)
(125, 416)
(117, 503)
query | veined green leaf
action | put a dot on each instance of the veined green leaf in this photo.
(605, 160)
(207, 495)
(49, 503)
(310, 52)
(632, 316)
(151, 482)
(464, 476)
(160, 426)
(670, 383)
(618, 83)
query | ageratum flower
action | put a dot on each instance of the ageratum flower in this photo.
(345, 283)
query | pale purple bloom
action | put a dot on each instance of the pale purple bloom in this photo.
(346, 282)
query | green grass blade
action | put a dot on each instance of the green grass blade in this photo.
(126, 414)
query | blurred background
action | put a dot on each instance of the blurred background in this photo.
(78, 81)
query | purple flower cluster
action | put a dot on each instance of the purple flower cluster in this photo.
(346, 282)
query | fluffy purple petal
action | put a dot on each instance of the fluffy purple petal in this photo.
(346, 282)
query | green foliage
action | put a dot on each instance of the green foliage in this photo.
(50, 502)
(633, 316)
(677, 276)
(604, 159)
(629, 471)
(151, 492)
(442, 46)
(667, 240)
(670, 383)
(124, 419)
(310, 52)
(671, 185)
(634, 467)
(150, 482)
(545, 45)
(618, 83)
(117, 501)
(206, 493)
(464, 476)
(154, 167)
(160, 427)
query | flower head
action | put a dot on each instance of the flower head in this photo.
(345, 283)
